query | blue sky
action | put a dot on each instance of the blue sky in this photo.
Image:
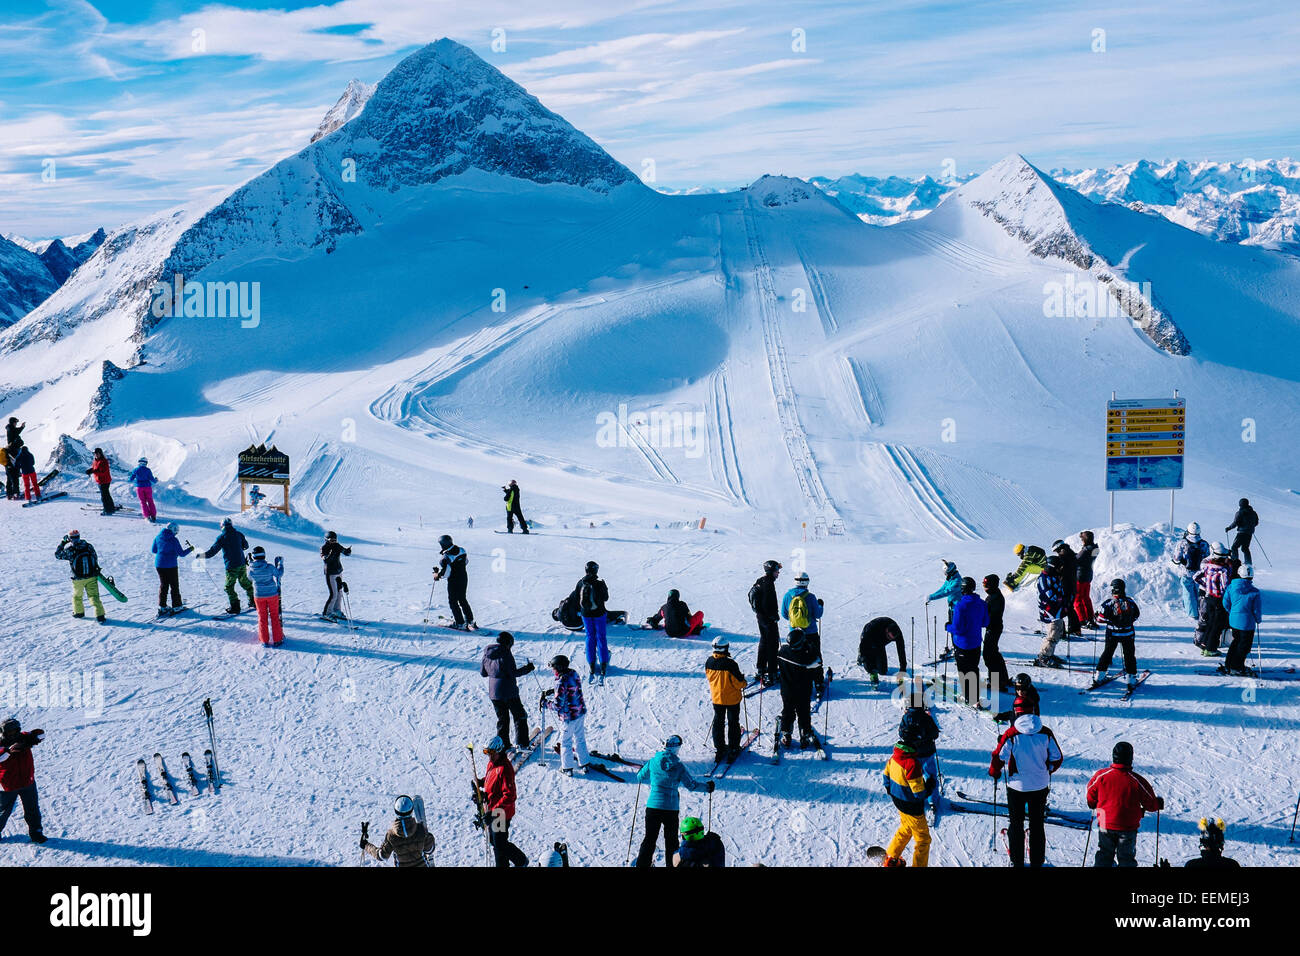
(136, 119)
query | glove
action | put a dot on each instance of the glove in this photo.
(528, 668)
(709, 786)
(547, 694)
(1160, 803)
(364, 841)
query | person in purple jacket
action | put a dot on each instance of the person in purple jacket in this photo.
(167, 551)
(970, 615)
(566, 700)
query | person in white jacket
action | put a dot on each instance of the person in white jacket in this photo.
(1030, 754)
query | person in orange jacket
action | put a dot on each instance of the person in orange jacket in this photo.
(726, 687)
(99, 470)
(499, 796)
(1120, 797)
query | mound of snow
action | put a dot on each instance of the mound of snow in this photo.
(264, 520)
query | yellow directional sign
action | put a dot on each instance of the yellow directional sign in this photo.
(1145, 444)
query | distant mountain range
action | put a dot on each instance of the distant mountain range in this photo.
(31, 271)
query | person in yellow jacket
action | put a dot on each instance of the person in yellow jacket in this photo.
(908, 787)
(727, 687)
(1033, 560)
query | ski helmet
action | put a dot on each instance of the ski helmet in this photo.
(691, 829)
(720, 643)
(1054, 563)
(1244, 502)
(1247, 571)
(173, 527)
(227, 523)
(404, 806)
(331, 536)
(770, 567)
(673, 742)
(949, 568)
(445, 542)
(1123, 753)
(1019, 550)
(1024, 680)
(259, 552)
(143, 461)
(559, 662)
(505, 638)
(967, 585)
(495, 746)
(991, 582)
(1211, 834)
(1194, 530)
(801, 577)
(674, 594)
(592, 567)
(1117, 586)
(74, 535)
(10, 728)
(1218, 548)
(1058, 544)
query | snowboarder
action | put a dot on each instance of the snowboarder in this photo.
(1051, 611)
(1212, 578)
(1083, 608)
(499, 796)
(27, 470)
(665, 773)
(762, 600)
(1212, 857)
(1120, 797)
(513, 508)
(908, 786)
(167, 551)
(103, 475)
(799, 664)
(1192, 550)
(727, 688)
(9, 458)
(1243, 606)
(1026, 699)
(1118, 614)
(950, 590)
(331, 552)
(498, 666)
(877, 635)
(1030, 753)
(232, 544)
(698, 848)
(566, 700)
(999, 679)
(143, 480)
(85, 573)
(1033, 560)
(919, 730)
(407, 840)
(1070, 579)
(676, 618)
(454, 566)
(266, 596)
(1245, 521)
(14, 433)
(802, 609)
(591, 594)
(970, 616)
(18, 776)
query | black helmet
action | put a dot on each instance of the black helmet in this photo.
(674, 594)
(770, 566)
(10, 728)
(1123, 753)
(967, 585)
(505, 639)
(227, 523)
(1243, 502)
(445, 542)
(559, 662)
(331, 536)
(991, 581)
(1117, 586)
(1054, 563)
(1058, 544)
(592, 567)
(1024, 680)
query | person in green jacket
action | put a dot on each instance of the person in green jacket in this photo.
(1033, 560)
(513, 509)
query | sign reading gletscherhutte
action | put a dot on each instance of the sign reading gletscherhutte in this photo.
(268, 466)
(1145, 441)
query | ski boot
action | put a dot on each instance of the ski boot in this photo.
(786, 741)
(38, 837)
(100, 619)
(1052, 661)
(163, 612)
(894, 861)
(805, 741)
(1132, 681)
(567, 771)
(75, 614)
(720, 755)
(1097, 679)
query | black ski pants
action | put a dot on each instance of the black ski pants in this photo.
(460, 609)
(514, 707)
(726, 718)
(769, 643)
(511, 515)
(968, 672)
(793, 706)
(1108, 652)
(995, 662)
(1239, 649)
(654, 819)
(169, 579)
(504, 852)
(1209, 630)
(1030, 804)
(1242, 543)
(106, 498)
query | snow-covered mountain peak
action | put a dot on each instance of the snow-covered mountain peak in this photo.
(783, 191)
(351, 103)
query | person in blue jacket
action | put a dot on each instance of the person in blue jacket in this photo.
(970, 615)
(232, 545)
(665, 773)
(167, 551)
(950, 590)
(814, 607)
(1245, 611)
(142, 480)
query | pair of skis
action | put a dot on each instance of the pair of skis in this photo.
(1128, 693)
(819, 746)
(160, 767)
(1055, 817)
(721, 767)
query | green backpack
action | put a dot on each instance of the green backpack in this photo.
(799, 616)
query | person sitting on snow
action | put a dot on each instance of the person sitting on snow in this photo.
(676, 618)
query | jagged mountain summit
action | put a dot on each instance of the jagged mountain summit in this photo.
(352, 102)
(22, 286)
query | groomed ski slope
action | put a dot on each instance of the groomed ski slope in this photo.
(321, 734)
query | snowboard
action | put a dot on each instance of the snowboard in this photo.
(419, 815)
(54, 474)
(877, 855)
(111, 588)
(44, 498)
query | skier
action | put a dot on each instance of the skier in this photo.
(100, 471)
(167, 551)
(498, 666)
(1070, 579)
(266, 596)
(571, 710)
(332, 553)
(513, 508)
(762, 600)
(665, 773)
(1242, 604)
(877, 635)
(699, 849)
(9, 458)
(1051, 611)
(18, 776)
(1032, 561)
(970, 616)
(255, 497)
(232, 544)
(1083, 608)
(1026, 699)
(1213, 578)
(454, 566)
(407, 840)
(1118, 614)
(1212, 857)
(802, 609)
(676, 618)
(85, 573)
(1030, 754)
(908, 786)
(999, 679)
(950, 590)
(1192, 550)
(499, 796)
(1245, 521)
(14, 433)
(143, 480)
(920, 732)
(727, 688)
(591, 594)
(27, 470)
(1120, 797)
(799, 666)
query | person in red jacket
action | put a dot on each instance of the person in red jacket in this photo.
(99, 470)
(18, 776)
(499, 795)
(1120, 797)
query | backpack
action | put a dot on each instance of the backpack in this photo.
(587, 598)
(799, 616)
(756, 595)
(83, 562)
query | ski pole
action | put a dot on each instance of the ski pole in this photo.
(365, 834)
(1255, 540)
(913, 657)
(212, 739)
(482, 807)
(710, 826)
(744, 702)
(995, 812)
(428, 608)
(203, 565)
(1291, 838)
(1157, 862)
(631, 831)
(1088, 842)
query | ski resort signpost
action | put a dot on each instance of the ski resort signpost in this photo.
(259, 465)
(1145, 441)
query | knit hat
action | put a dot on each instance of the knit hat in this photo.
(1123, 753)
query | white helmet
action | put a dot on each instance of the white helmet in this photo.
(1218, 549)
(1194, 531)
(1247, 572)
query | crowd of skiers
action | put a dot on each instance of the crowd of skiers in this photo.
(19, 464)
